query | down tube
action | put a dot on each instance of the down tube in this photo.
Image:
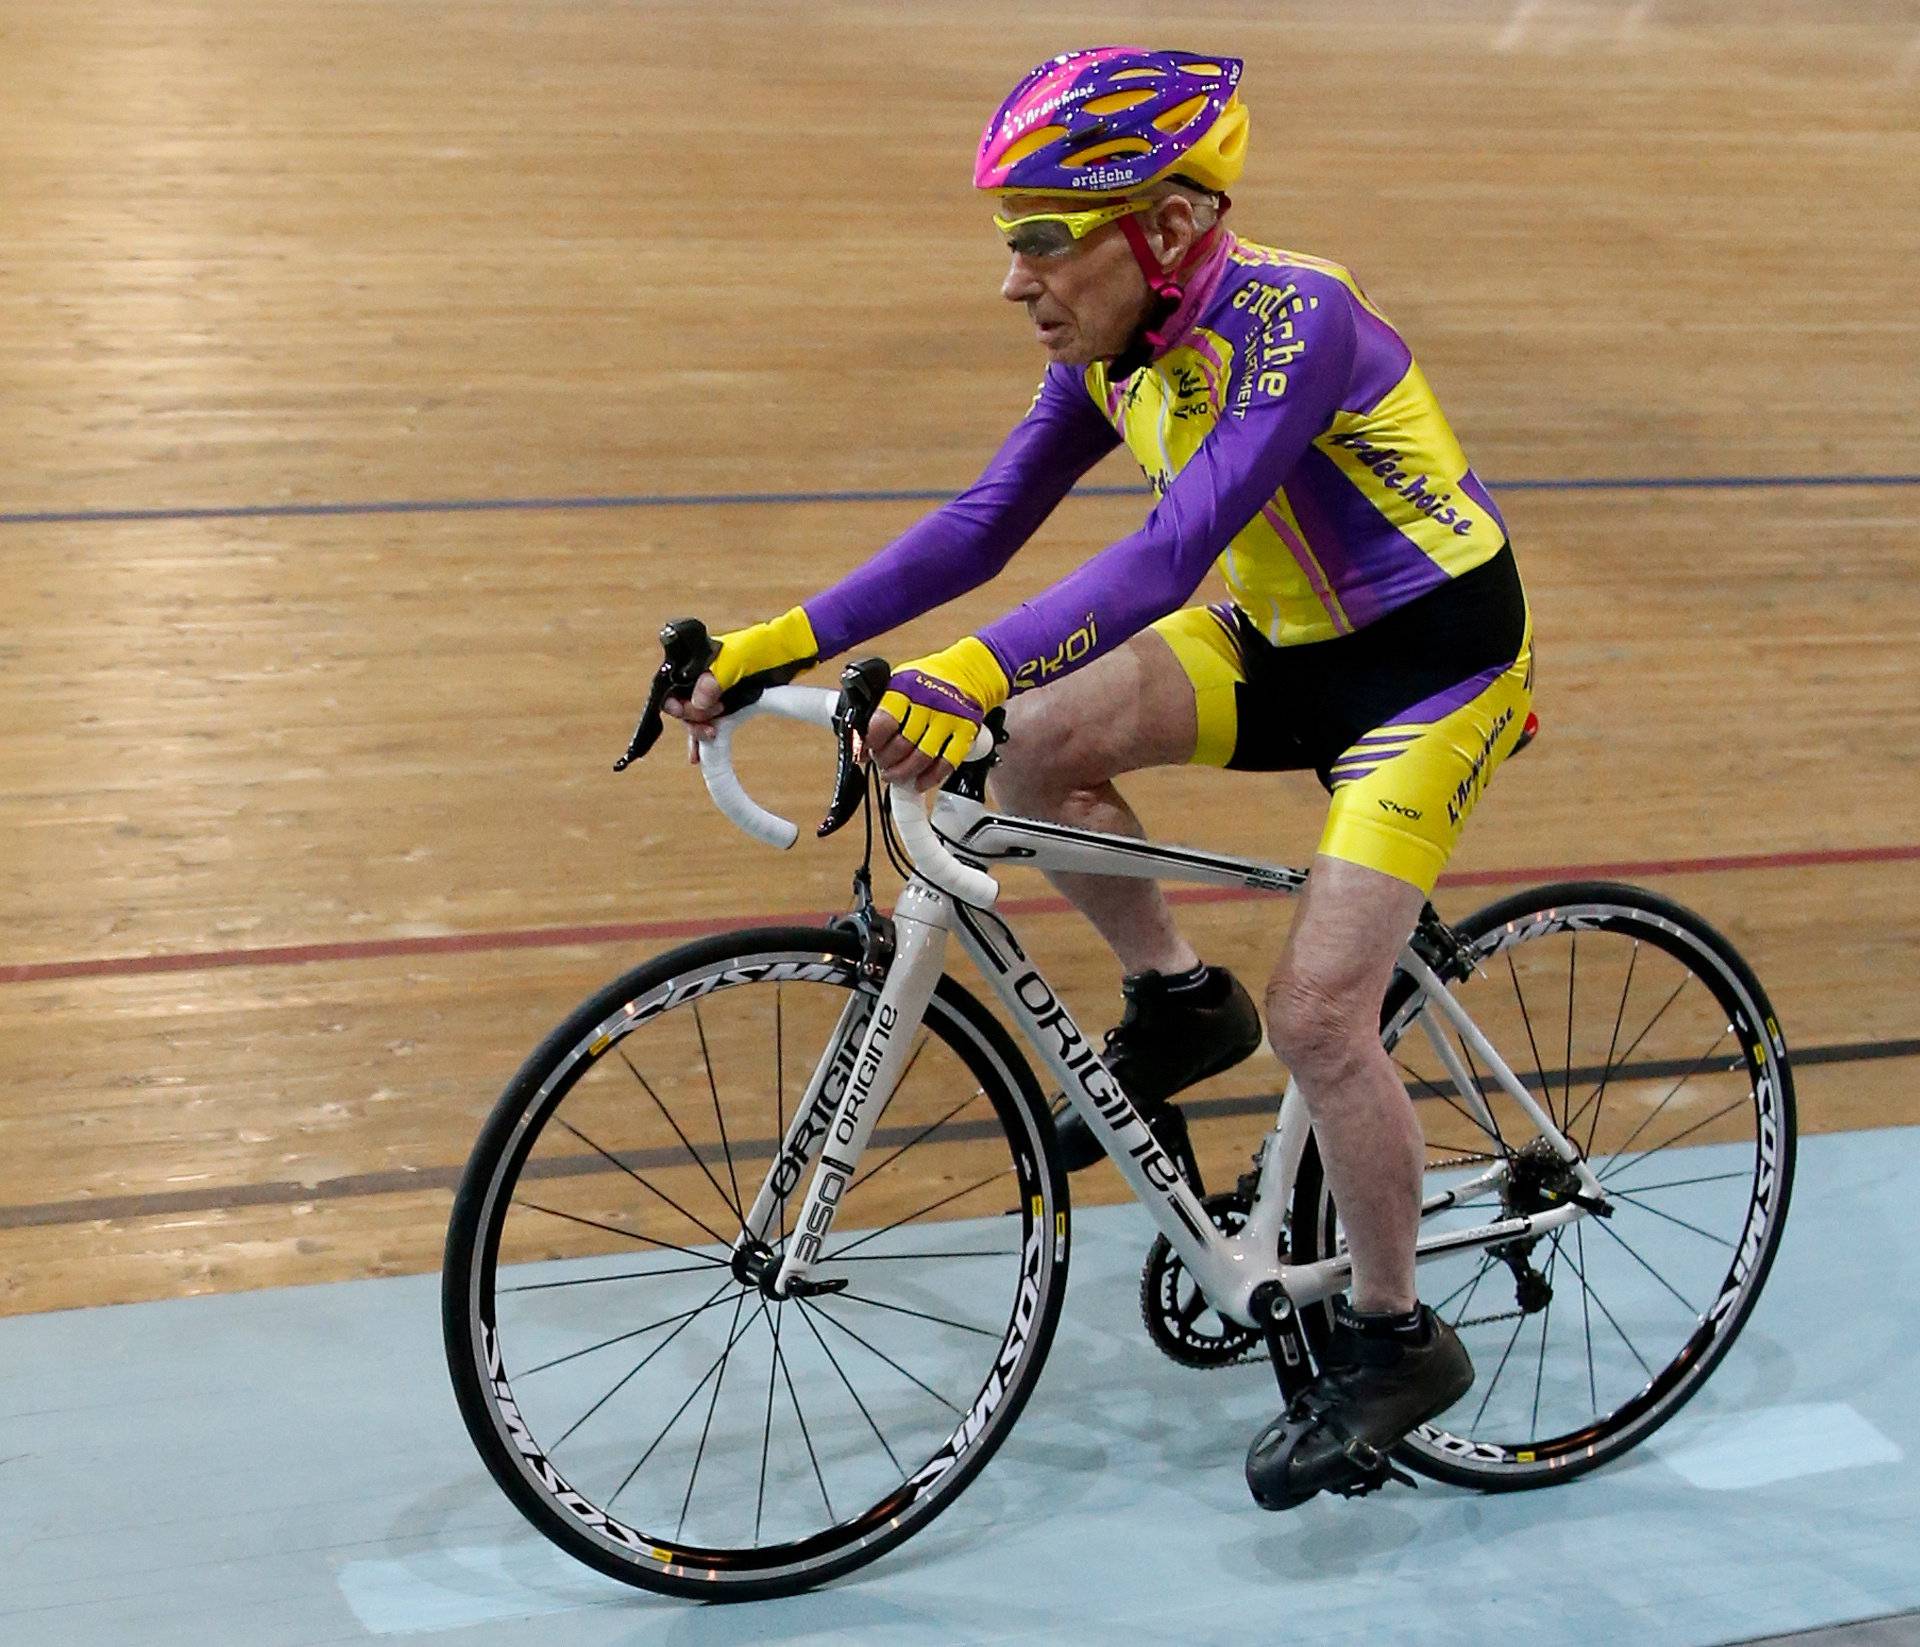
(1052, 1033)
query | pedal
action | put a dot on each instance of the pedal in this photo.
(1375, 1468)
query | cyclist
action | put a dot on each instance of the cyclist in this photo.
(1376, 634)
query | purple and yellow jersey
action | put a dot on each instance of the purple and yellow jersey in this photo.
(1290, 376)
(1290, 437)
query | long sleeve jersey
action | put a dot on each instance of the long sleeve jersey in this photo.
(1290, 438)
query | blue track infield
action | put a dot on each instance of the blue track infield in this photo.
(717, 500)
(286, 1469)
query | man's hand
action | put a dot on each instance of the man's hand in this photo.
(932, 711)
(772, 653)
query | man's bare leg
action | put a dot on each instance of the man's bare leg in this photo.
(1067, 742)
(1323, 1018)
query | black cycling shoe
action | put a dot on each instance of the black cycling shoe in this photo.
(1375, 1387)
(1165, 1041)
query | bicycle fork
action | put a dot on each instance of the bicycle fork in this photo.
(849, 1089)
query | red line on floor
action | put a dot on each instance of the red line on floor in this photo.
(617, 932)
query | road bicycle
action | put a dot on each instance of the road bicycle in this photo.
(760, 1254)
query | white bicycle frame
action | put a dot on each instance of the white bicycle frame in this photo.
(952, 893)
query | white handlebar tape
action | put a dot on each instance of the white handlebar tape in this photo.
(930, 855)
(730, 795)
(815, 705)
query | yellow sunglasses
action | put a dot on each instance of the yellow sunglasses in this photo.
(1053, 234)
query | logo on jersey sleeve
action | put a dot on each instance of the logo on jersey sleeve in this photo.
(1276, 346)
(1069, 653)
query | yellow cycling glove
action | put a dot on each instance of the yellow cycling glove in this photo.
(941, 699)
(766, 654)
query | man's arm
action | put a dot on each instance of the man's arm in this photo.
(964, 543)
(1293, 370)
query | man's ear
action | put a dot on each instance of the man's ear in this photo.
(1173, 230)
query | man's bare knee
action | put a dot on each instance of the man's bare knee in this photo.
(1318, 1030)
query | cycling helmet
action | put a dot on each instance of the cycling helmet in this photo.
(1108, 121)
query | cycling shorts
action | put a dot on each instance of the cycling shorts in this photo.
(1403, 721)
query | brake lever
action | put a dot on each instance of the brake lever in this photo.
(688, 651)
(861, 686)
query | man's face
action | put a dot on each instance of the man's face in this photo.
(1085, 302)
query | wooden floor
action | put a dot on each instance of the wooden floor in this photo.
(339, 766)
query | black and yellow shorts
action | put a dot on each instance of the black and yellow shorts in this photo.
(1404, 721)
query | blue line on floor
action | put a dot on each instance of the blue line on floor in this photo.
(709, 500)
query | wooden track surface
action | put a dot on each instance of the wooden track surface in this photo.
(275, 255)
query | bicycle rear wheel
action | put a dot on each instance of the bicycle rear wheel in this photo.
(629, 1384)
(1651, 1044)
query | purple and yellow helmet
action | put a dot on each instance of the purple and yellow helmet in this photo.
(1110, 120)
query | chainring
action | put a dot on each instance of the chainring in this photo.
(1179, 1320)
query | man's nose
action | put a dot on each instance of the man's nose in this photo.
(1021, 285)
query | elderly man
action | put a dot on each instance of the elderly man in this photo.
(1376, 634)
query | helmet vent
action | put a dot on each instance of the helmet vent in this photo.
(1140, 74)
(1177, 119)
(1031, 143)
(1114, 102)
(1107, 151)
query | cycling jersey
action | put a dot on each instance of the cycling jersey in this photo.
(1290, 437)
(1378, 632)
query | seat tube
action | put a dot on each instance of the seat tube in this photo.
(1280, 1158)
(920, 954)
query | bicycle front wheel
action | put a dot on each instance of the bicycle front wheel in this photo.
(629, 1383)
(1650, 1044)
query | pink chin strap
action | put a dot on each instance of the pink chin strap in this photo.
(1166, 286)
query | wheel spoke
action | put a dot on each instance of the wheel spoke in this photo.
(706, 1429)
(827, 1350)
(806, 1435)
(810, 1310)
(1486, 1263)
(647, 1087)
(1623, 1195)
(1546, 1319)
(1526, 1018)
(1626, 1166)
(720, 1120)
(901, 1309)
(1635, 1047)
(918, 1136)
(1480, 1086)
(1497, 1371)
(1581, 1271)
(614, 1229)
(1599, 1095)
(909, 1257)
(632, 1372)
(1586, 1316)
(1618, 1237)
(608, 1155)
(1687, 1075)
(1680, 1183)
(714, 1301)
(600, 1280)
(932, 1206)
(692, 1395)
(1566, 1096)
(1445, 1097)
(780, 1124)
(1480, 1274)
(766, 1436)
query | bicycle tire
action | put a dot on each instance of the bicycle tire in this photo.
(1507, 1461)
(728, 976)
